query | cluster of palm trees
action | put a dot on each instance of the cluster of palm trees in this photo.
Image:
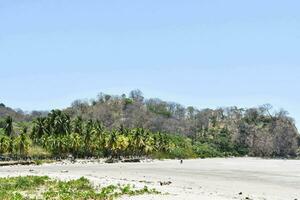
(15, 145)
(62, 136)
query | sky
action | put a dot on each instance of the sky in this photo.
(205, 53)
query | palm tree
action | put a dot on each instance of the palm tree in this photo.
(44, 141)
(112, 143)
(138, 140)
(61, 123)
(156, 139)
(39, 129)
(8, 128)
(59, 144)
(98, 128)
(148, 144)
(102, 142)
(49, 142)
(121, 145)
(58, 123)
(11, 146)
(161, 142)
(4, 143)
(75, 143)
(77, 124)
(88, 136)
(22, 142)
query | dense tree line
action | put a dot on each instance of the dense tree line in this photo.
(62, 136)
(253, 131)
(134, 126)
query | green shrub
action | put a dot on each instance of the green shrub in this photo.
(37, 152)
(206, 151)
(35, 187)
(21, 183)
(182, 153)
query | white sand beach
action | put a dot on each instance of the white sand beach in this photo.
(219, 178)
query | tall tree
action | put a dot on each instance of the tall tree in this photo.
(8, 128)
(22, 142)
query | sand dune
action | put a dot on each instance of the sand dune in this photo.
(232, 178)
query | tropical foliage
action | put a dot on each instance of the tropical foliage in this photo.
(121, 126)
(62, 136)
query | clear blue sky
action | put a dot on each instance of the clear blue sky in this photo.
(204, 53)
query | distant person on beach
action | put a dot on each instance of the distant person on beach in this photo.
(181, 161)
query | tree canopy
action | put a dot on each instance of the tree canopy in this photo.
(134, 126)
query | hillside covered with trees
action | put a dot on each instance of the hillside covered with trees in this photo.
(132, 126)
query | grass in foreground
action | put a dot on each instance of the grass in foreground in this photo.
(44, 188)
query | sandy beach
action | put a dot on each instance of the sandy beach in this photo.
(220, 178)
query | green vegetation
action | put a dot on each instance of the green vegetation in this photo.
(57, 136)
(120, 126)
(38, 188)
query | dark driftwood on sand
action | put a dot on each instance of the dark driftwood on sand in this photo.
(8, 163)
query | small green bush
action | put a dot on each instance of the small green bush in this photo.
(206, 151)
(37, 152)
(182, 153)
